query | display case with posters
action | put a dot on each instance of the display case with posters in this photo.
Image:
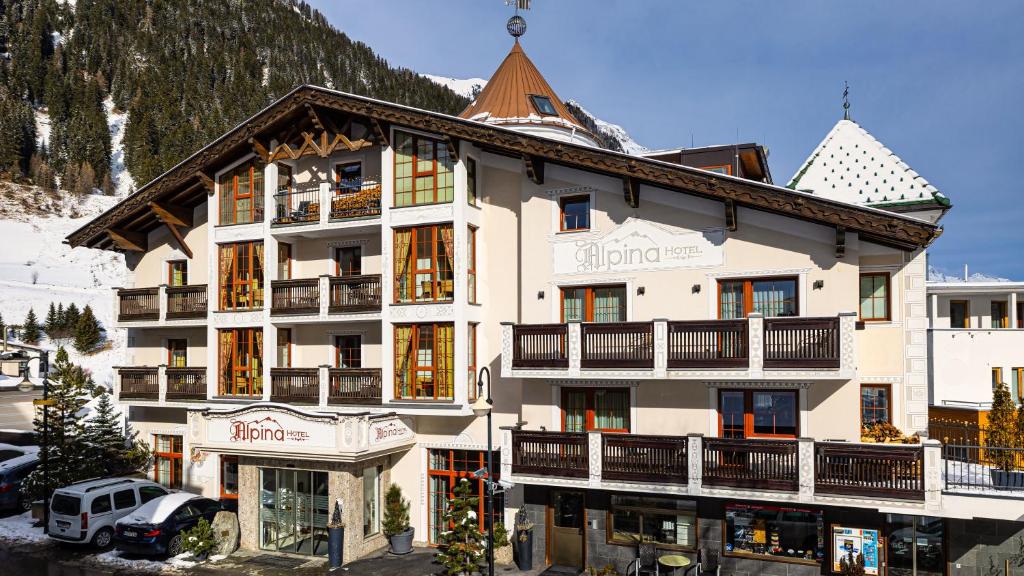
(849, 542)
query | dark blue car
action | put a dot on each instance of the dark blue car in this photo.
(13, 471)
(155, 528)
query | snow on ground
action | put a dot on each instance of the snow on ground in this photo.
(972, 478)
(117, 121)
(19, 529)
(136, 565)
(462, 87)
(614, 131)
(42, 129)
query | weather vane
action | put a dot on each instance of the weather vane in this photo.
(846, 100)
(516, 25)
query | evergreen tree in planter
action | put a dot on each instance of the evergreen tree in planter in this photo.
(1001, 438)
(396, 521)
(462, 550)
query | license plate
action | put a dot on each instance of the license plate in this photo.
(131, 533)
(63, 524)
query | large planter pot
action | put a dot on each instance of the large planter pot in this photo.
(336, 547)
(523, 545)
(1007, 479)
(401, 543)
(503, 555)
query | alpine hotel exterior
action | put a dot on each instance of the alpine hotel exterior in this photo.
(680, 353)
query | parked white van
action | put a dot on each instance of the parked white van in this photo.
(86, 511)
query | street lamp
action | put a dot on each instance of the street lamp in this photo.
(25, 386)
(482, 407)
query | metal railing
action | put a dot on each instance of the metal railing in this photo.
(355, 293)
(186, 301)
(974, 468)
(711, 344)
(297, 205)
(356, 198)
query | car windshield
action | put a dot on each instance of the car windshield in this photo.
(65, 505)
(8, 454)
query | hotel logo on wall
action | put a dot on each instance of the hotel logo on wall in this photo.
(640, 245)
(271, 428)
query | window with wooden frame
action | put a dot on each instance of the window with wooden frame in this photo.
(471, 266)
(574, 213)
(348, 351)
(424, 264)
(284, 179)
(471, 181)
(874, 297)
(284, 261)
(348, 178)
(1018, 385)
(177, 352)
(758, 414)
(594, 303)
(471, 360)
(177, 273)
(241, 276)
(228, 477)
(241, 362)
(595, 409)
(167, 460)
(875, 404)
(284, 347)
(241, 194)
(997, 377)
(424, 361)
(1020, 314)
(445, 469)
(725, 169)
(423, 171)
(671, 523)
(959, 314)
(1000, 319)
(768, 296)
(348, 261)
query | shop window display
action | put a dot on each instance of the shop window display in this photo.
(668, 522)
(786, 533)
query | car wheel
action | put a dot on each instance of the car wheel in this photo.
(103, 538)
(174, 546)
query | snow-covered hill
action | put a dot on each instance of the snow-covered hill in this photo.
(468, 87)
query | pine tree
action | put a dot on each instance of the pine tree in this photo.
(87, 331)
(50, 324)
(1002, 428)
(30, 330)
(462, 547)
(70, 319)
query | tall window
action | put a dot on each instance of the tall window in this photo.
(574, 213)
(471, 265)
(669, 522)
(1018, 384)
(284, 347)
(241, 362)
(284, 261)
(284, 179)
(758, 413)
(241, 276)
(875, 404)
(471, 360)
(241, 194)
(594, 304)
(371, 500)
(228, 477)
(167, 460)
(424, 264)
(1000, 319)
(471, 180)
(601, 409)
(997, 377)
(424, 358)
(874, 296)
(445, 468)
(348, 178)
(348, 351)
(177, 273)
(348, 261)
(768, 296)
(423, 171)
(1020, 314)
(959, 314)
(177, 353)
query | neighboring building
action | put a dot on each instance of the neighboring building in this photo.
(748, 161)
(676, 354)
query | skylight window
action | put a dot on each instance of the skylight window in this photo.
(543, 105)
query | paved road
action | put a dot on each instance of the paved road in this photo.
(16, 409)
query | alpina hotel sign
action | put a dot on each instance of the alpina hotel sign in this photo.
(640, 245)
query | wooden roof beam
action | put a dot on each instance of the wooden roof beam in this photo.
(631, 191)
(534, 168)
(840, 241)
(173, 215)
(206, 181)
(259, 149)
(179, 239)
(381, 130)
(314, 117)
(730, 216)
(127, 240)
(453, 147)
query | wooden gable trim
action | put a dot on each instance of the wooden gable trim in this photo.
(631, 191)
(534, 169)
(731, 223)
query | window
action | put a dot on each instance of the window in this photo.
(177, 353)
(187, 512)
(177, 273)
(875, 404)
(241, 362)
(959, 314)
(284, 179)
(424, 267)
(725, 169)
(241, 276)
(424, 358)
(348, 351)
(471, 265)
(471, 359)
(371, 500)
(447, 467)
(874, 296)
(668, 522)
(284, 261)
(575, 213)
(284, 347)
(594, 304)
(348, 261)
(595, 409)
(101, 505)
(124, 499)
(792, 533)
(423, 171)
(471, 181)
(229, 477)
(1018, 384)
(999, 316)
(241, 194)
(768, 296)
(167, 460)
(1020, 314)
(147, 493)
(348, 178)
(543, 105)
(997, 377)
(757, 413)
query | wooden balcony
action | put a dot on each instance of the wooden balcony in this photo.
(138, 304)
(801, 343)
(355, 293)
(633, 458)
(186, 383)
(617, 345)
(540, 346)
(139, 383)
(186, 301)
(711, 344)
(749, 463)
(883, 471)
(559, 454)
(295, 296)
(295, 385)
(162, 305)
(354, 386)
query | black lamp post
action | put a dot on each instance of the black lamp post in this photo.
(26, 385)
(481, 407)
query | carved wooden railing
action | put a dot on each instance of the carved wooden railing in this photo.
(644, 458)
(801, 343)
(355, 293)
(295, 296)
(186, 301)
(186, 383)
(138, 304)
(710, 344)
(617, 345)
(295, 385)
(540, 346)
(562, 454)
(354, 386)
(859, 470)
(751, 463)
(139, 383)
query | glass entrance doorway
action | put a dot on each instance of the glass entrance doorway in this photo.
(915, 546)
(293, 511)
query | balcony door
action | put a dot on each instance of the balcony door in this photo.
(767, 296)
(348, 261)
(594, 304)
(241, 362)
(758, 414)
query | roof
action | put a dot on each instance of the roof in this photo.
(190, 179)
(852, 166)
(986, 287)
(95, 483)
(505, 98)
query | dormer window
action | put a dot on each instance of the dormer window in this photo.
(543, 105)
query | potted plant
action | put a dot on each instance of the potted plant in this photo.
(1002, 439)
(502, 546)
(461, 548)
(396, 521)
(524, 541)
(336, 538)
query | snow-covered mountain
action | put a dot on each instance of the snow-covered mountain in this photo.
(936, 275)
(468, 87)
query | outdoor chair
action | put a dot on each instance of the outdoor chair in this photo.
(646, 561)
(707, 563)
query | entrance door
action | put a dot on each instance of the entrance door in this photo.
(293, 511)
(567, 523)
(915, 546)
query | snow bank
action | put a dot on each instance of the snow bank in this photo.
(157, 510)
(136, 565)
(19, 529)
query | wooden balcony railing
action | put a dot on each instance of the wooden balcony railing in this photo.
(859, 470)
(355, 293)
(617, 345)
(140, 383)
(801, 343)
(562, 454)
(711, 344)
(751, 463)
(630, 458)
(186, 383)
(295, 385)
(354, 386)
(297, 205)
(356, 198)
(295, 296)
(540, 346)
(186, 301)
(138, 304)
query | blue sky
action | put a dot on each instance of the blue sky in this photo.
(940, 83)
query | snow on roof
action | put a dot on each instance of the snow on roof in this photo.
(851, 166)
(157, 510)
